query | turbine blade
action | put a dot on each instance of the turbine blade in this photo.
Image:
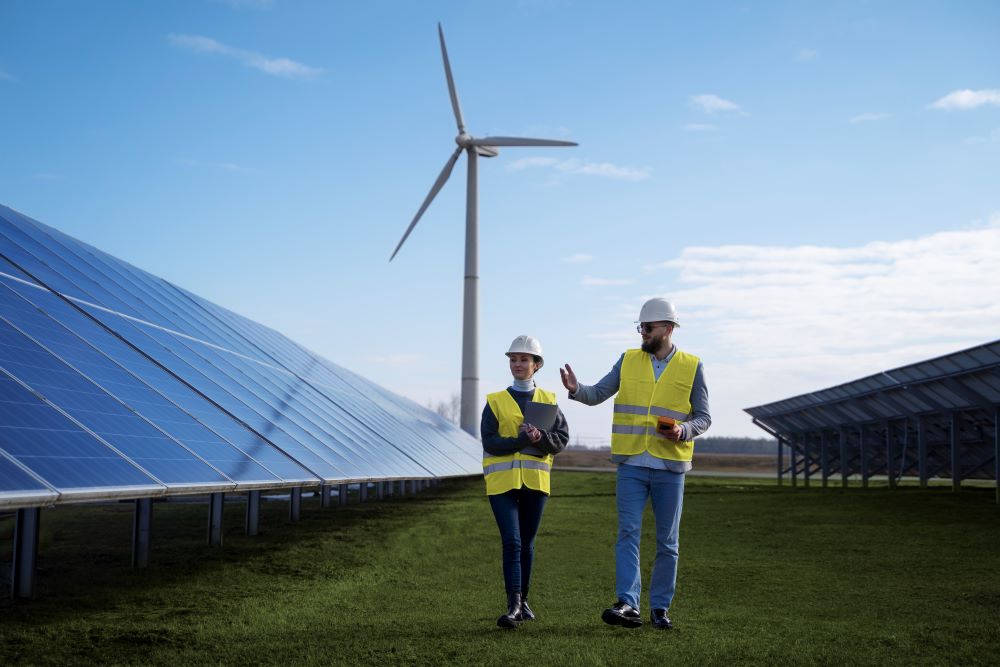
(455, 106)
(438, 184)
(519, 141)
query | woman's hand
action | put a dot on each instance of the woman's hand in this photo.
(534, 435)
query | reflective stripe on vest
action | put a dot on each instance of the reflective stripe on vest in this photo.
(539, 464)
(641, 399)
(513, 471)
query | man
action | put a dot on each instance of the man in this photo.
(661, 405)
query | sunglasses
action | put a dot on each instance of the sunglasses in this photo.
(646, 327)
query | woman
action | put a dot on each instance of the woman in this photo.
(517, 460)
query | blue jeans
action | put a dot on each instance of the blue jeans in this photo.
(666, 489)
(518, 514)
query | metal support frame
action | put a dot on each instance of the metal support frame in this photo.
(402, 488)
(142, 523)
(781, 461)
(215, 501)
(806, 460)
(22, 571)
(363, 492)
(295, 503)
(324, 495)
(845, 464)
(996, 449)
(390, 487)
(904, 449)
(890, 455)
(824, 458)
(379, 490)
(793, 462)
(342, 494)
(863, 453)
(956, 455)
(251, 523)
(922, 451)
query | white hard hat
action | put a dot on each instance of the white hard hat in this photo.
(527, 345)
(658, 310)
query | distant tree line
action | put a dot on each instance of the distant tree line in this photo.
(724, 445)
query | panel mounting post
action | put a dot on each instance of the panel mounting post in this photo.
(22, 571)
(142, 522)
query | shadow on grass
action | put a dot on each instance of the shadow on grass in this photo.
(84, 557)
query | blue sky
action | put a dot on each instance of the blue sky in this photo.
(814, 184)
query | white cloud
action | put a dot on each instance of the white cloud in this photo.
(283, 67)
(849, 311)
(578, 258)
(868, 117)
(806, 54)
(700, 127)
(575, 166)
(711, 104)
(606, 281)
(968, 99)
(776, 321)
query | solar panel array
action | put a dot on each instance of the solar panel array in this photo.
(117, 383)
(933, 418)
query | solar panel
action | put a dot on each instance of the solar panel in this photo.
(71, 458)
(17, 484)
(149, 386)
(306, 411)
(95, 361)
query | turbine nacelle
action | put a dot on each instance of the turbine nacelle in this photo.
(466, 141)
(487, 151)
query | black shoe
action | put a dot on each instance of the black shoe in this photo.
(526, 613)
(660, 620)
(623, 614)
(512, 618)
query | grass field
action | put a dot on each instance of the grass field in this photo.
(767, 575)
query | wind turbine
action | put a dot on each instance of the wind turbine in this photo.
(485, 147)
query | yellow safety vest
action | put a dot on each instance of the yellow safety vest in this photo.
(641, 399)
(504, 473)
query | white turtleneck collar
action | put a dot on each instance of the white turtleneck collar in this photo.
(523, 385)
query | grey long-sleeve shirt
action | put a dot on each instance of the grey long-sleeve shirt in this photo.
(700, 420)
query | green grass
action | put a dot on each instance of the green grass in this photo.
(767, 575)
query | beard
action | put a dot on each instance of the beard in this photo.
(654, 343)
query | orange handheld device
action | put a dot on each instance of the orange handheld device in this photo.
(663, 424)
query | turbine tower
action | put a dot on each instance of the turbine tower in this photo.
(485, 147)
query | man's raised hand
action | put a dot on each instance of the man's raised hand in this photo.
(568, 378)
